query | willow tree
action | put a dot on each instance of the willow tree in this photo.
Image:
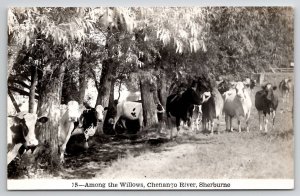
(57, 32)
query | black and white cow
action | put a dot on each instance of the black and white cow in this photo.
(129, 110)
(285, 87)
(195, 113)
(266, 102)
(22, 132)
(178, 106)
(250, 83)
(76, 120)
(212, 108)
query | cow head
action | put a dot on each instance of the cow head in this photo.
(205, 96)
(223, 86)
(73, 111)
(285, 83)
(191, 96)
(100, 112)
(249, 83)
(239, 89)
(26, 123)
(268, 88)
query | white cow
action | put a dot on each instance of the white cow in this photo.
(237, 103)
(131, 111)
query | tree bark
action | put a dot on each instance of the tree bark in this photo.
(49, 102)
(112, 93)
(13, 52)
(82, 78)
(148, 100)
(104, 86)
(162, 90)
(33, 85)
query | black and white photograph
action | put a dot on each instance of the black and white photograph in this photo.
(150, 98)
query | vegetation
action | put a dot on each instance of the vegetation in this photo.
(52, 50)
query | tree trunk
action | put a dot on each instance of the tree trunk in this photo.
(49, 102)
(104, 86)
(112, 93)
(33, 85)
(148, 100)
(13, 52)
(14, 101)
(82, 78)
(162, 90)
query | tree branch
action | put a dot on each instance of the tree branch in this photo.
(21, 92)
(14, 81)
(14, 101)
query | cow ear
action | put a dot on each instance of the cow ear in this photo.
(42, 119)
(274, 88)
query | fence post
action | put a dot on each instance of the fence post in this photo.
(261, 77)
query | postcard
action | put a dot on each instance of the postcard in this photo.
(150, 98)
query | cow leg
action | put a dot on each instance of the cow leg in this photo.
(247, 124)
(178, 124)
(123, 123)
(230, 124)
(259, 120)
(197, 124)
(141, 119)
(273, 118)
(218, 125)
(239, 125)
(211, 126)
(86, 144)
(227, 122)
(169, 126)
(64, 145)
(288, 101)
(266, 123)
(203, 124)
(115, 121)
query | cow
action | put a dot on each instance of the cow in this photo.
(22, 132)
(223, 86)
(237, 103)
(212, 108)
(195, 112)
(250, 83)
(285, 87)
(178, 106)
(129, 110)
(266, 102)
(75, 121)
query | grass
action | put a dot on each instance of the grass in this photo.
(229, 155)
(226, 155)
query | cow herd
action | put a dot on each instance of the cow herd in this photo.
(231, 99)
(204, 97)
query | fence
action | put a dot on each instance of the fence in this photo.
(274, 77)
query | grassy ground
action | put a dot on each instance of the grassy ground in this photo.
(226, 155)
